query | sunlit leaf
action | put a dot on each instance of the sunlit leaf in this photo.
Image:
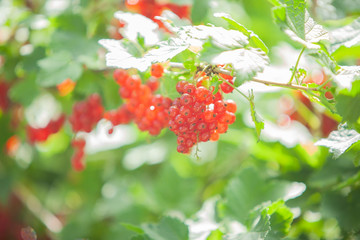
(56, 68)
(347, 36)
(314, 33)
(346, 76)
(339, 141)
(137, 24)
(255, 41)
(119, 56)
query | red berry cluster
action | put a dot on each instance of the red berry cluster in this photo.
(77, 160)
(199, 116)
(4, 100)
(41, 134)
(86, 114)
(149, 111)
(225, 86)
(151, 9)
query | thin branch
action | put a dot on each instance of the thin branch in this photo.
(51, 222)
(296, 65)
(269, 83)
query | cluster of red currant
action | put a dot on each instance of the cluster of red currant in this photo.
(77, 160)
(86, 114)
(149, 111)
(4, 100)
(152, 8)
(41, 134)
(199, 115)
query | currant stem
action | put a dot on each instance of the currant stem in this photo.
(296, 65)
(269, 83)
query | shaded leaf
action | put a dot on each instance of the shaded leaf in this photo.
(347, 36)
(249, 190)
(56, 68)
(244, 236)
(347, 105)
(24, 91)
(254, 39)
(168, 228)
(199, 10)
(339, 141)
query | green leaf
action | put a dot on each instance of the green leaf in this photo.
(199, 10)
(346, 36)
(259, 123)
(347, 105)
(250, 190)
(119, 56)
(56, 68)
(138, 25)
(346, 75)
(168, 228)
(246, 62)
(295, 11)
(78, 45)
(24, 91)
(29, 61)
(280, 220)
(133, 228)
(339, 141)
(215, 235)
(71, 23)
(197, 35)
(325, 59)
(255, 41)
(314, 33)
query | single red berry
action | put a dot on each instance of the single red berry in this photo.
(157, 70)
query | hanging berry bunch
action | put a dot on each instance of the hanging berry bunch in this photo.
(86, 114)
(199, 115)
(148, 110)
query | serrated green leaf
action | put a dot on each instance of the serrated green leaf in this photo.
(325, 59)
(56, 68)
(138, 25)
(166, 50)
(168, 228)
(249, 190)
(119, 56)
(245, 62)
(24, 91)
(259, 123)
(295, 11)
(262, 225)
(346, 36)
(339, 141)
(346, 75)
(314, 33)
(197, 35)
(141, 237)
(254, 39)
(280, 220)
